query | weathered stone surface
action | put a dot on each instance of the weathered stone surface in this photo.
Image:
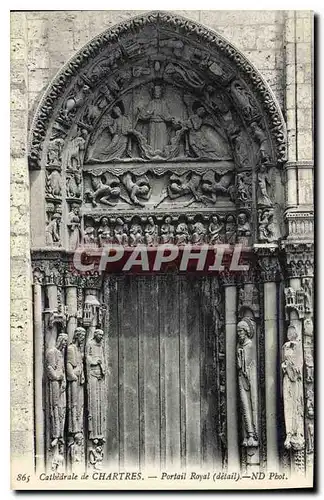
(42, 42)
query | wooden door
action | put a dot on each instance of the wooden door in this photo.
(163, 387)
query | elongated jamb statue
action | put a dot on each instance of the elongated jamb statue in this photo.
(75, 378)
(57, 388)
(292, 366)
(97, 397)
(247, 382)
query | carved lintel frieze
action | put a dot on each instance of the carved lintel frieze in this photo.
(71, 278)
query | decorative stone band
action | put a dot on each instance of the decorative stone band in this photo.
(299, 164)
(300, 225)
(58, 267)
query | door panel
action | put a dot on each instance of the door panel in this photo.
(162, 351)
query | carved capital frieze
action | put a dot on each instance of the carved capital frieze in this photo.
(299, 258)
(93, 281)
(268, 262)
(228, 278)
(38, 275)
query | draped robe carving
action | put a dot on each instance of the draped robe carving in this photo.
(247, 382)
(292, 366)
(57, 386)
(97, 397)
(75, 378)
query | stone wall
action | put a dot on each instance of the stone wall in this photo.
(278, 43)
(22, 435)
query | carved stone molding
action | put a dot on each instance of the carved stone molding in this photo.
(299, 164)
(300, 225)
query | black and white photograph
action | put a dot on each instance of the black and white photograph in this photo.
(162, 249)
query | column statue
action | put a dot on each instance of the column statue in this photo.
(247, 382)
(76, 453)
(75, 378)
(57, 387)
(292, 367)
(97, 397)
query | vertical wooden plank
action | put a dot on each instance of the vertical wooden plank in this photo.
(170, 329)
(151, 375)
(128, 398)
(111, 342)
(192, 360)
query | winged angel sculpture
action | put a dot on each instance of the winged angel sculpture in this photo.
(156, 134)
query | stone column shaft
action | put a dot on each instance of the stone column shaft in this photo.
(51, 333)
(271, 372)
(39, 362)
(72, 305)
(231, 380)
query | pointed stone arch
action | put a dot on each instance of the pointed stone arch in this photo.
(118, 45)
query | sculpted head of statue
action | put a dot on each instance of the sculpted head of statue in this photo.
(291, 333)
(245, 330)
(98, 334)
(79, 335)
(78, 438)
(61, 341)
(157, 92)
